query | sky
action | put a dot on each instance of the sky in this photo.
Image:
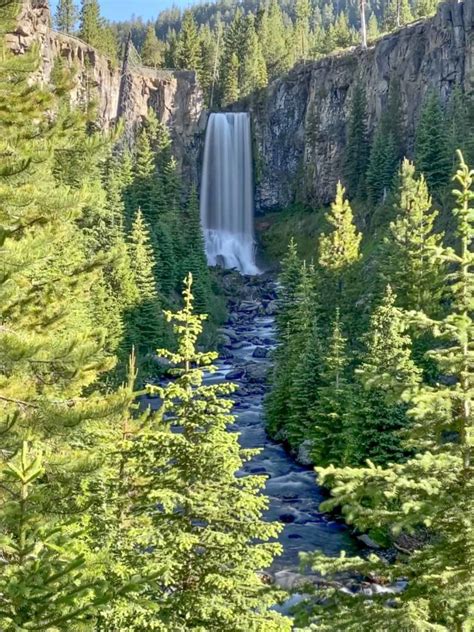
(123, 9)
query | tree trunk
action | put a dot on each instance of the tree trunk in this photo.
(363, 25)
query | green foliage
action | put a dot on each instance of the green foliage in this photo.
(328, 433)
(434, 487)
(187, 54)
(209, 519)
(410, 263)
(357, 149)
(339, 249)
(66, 16)
(432, 157)
(151, 51)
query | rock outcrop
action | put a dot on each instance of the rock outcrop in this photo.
(125, 92)
(300, 121)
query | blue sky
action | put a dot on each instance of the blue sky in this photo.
(123, 9)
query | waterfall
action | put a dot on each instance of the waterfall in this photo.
(227, 193)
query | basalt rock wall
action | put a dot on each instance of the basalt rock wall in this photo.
(118, 92)
(300, 121)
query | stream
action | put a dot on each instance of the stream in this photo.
(248, 340)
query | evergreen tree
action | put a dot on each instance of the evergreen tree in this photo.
(373, 32)
(431, 145)
(151, 51)
(66, 16)
(410, 262)
(301, 31)
(382, 165)
(434, 488)
(188, 53)
(397, 13)
(272, 38)
(386, 370)
(90, 26)
(144, 321)
(230, 82)
(50, 352)
(210, 518)
(303, 360)
(357, 150)
(253, 67)
(328, 432)
(339, 249)
(194, 260)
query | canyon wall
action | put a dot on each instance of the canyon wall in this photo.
(119, 92)
(300, 121)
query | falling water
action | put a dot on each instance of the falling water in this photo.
(227, 193)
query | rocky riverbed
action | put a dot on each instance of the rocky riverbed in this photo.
(248, 339)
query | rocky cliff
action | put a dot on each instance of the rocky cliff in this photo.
(300, 121)
(125, 92)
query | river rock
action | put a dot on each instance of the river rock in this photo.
(235, 374)
(367, 540)
(260, 352)
(272, 308)
(304, 453)
(257, 373)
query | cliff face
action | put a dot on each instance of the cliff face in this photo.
(124, 93)
(300, 122)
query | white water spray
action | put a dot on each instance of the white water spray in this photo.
(227, 193)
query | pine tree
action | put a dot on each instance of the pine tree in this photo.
(382, 165)
(431, 145)
(373, 32)
(357, 150)
(90, 26)
(434, 488)
(328, 432)
(253, 71)
(302, 364)
(339, 249)
(397, 13)
(66, 16)
(410, 262)
(277, 402)
(230, 82)
(387, 369)
(301, 30)
(151, 52)
(144, 321)
(188, 53)
(272, 38)
(50, 353)
(194, 260)
(210, 518)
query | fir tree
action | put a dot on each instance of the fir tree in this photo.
(357, 150)
(151, 51)
(230, 82)
(382, 165)
(410, 262)
(50, 353)
(210, 518)
(397, 13)
(339, 249)
(303, 360)
(373, 28)
(329, 415)
(90, 26)
(144, 321)
(188, 44)
(434, 488)
(66, 16)
(253, 67)
(301, 30)
(431, 145)
(386, 370)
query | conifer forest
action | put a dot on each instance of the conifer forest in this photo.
(236, 301)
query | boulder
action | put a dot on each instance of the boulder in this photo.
(260, 352)
(235, 374)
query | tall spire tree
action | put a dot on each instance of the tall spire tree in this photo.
(66, 16)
